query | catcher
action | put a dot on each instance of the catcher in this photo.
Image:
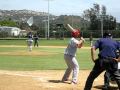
(108, 78)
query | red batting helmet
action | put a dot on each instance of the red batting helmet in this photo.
(75, 33)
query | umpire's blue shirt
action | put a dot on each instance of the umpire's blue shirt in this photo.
(107, 47)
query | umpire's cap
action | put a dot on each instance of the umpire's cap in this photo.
(107, 34)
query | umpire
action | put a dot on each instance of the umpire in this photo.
(106, 60)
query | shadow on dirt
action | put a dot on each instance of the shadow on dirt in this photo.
(110, 88)
(58, 81)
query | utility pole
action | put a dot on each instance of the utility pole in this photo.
(102, 25)
(48, 22)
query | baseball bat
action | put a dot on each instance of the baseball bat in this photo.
(70, 27)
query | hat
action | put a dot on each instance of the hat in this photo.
(107, 34)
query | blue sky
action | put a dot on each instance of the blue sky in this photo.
(58, 7)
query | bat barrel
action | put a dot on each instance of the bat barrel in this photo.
(70, 27)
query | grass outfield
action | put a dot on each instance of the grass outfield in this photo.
(42, 42)
(42, 58)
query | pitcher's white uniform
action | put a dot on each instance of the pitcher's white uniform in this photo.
(69, 56)
(30, 41)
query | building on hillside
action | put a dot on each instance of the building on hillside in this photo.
(12, 31)
(23, 33)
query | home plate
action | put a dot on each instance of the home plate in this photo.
(41, 79)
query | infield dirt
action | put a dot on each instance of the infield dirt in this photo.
(44, 80)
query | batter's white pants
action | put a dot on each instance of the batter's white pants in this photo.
(72, 66)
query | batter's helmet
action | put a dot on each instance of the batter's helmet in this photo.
(75, 33)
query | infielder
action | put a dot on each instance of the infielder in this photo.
(106, 60)
(35, 37)
(69, 56)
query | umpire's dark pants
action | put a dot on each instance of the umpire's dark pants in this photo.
(107, 78)
(102, 64)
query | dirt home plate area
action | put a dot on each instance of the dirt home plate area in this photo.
(43, 80)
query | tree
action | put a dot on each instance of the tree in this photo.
(103, 12)
(8, 23)
(96, 18)
(91, 15)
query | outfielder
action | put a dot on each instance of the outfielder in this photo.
(106, 60)
(69, 56)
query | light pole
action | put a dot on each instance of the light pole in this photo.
(102, 26)
(101, 22)
(48, 21)
(48, 25)
(45, 26)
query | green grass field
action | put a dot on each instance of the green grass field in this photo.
(19, 58)
(42, 42)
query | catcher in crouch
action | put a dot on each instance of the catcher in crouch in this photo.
(108, 78)
(70, 53)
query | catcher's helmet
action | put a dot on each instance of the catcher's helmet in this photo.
(75, 33)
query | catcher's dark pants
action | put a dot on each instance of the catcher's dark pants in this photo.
(102, 64)
(108, 77)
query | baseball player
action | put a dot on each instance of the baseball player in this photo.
(108, 78)
(30, 41)
(35, 40)
(69, 56)
(106, 60)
